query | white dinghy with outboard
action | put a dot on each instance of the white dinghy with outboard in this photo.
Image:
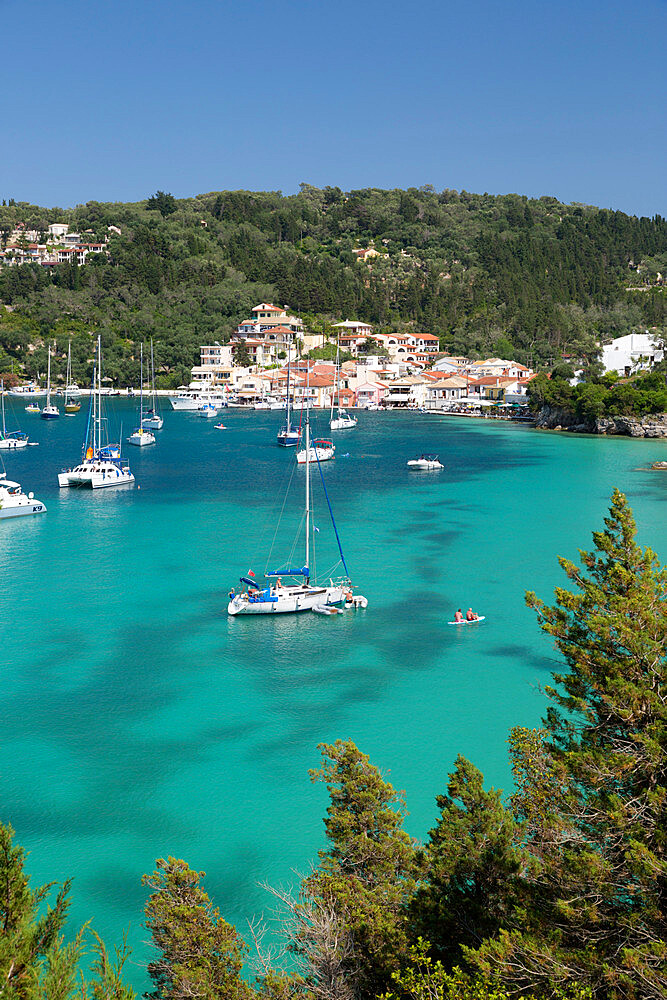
(425, 463)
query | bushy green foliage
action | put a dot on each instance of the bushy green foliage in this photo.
(504, 274)
(605, 396)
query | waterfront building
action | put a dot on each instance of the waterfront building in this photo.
(445, 391)
(370, 393)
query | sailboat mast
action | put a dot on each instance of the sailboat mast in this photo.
(141, 388)
(2, 394)
(154, 398)
(335, 385)
(48, 379)
(289, 358)
(98, 398)
(69, 370)
(308, 466)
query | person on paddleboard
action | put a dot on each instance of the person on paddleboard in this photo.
(458, 617)
(471, 616)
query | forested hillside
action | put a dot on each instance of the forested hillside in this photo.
(529, 278)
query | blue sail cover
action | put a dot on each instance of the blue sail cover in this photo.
(303, 571)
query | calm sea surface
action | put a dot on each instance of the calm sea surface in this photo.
(138, 720)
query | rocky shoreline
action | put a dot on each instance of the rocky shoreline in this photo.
(652, 426)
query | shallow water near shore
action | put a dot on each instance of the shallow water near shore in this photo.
(140, 721)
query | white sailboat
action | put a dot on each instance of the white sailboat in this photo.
(101, 464)
(301, 593)
(71, 388)
(320, 449)
(49, 411)
(342, 421)
(288, 436)
(10, 440)
(141, 436)
(153, 418)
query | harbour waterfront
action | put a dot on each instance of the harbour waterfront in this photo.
(140, 721)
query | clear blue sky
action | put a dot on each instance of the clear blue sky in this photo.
(113, 99)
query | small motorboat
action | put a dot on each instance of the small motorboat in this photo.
(32, 408)
(220, 427)
(425, 463)
(15, 503)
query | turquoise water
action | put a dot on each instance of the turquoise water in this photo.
(139, 720)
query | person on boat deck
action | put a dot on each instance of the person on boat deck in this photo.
(458, 617)
(278, 583)
(471, 616)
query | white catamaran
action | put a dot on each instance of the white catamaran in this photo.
(301, 593)
(101, 464)
(141, 435)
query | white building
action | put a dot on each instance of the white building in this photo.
(632, 353)
(57, 230)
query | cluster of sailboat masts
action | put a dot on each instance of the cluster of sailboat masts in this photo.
(287, 589)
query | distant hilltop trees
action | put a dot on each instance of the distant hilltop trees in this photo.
(487, 275)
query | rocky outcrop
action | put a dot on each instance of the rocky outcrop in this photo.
(557, 419)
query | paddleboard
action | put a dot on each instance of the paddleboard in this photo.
(482, 618)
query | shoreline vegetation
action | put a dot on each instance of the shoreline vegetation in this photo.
(635, 407)
(533, 280)
(553, 892)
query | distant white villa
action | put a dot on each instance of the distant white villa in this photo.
(632, 353)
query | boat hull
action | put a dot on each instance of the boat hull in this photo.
(11, 444)
(290, 600)
(23, 509)
(141, 438)
(194, 402)
(316, 455)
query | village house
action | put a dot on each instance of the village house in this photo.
(408, 391)
(370, 394)
(632, 353)
(451, 363)
(366, 254)
(268, 317)
(499, 368)
(444, 392)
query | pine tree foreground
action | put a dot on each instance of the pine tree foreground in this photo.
(592, 785)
